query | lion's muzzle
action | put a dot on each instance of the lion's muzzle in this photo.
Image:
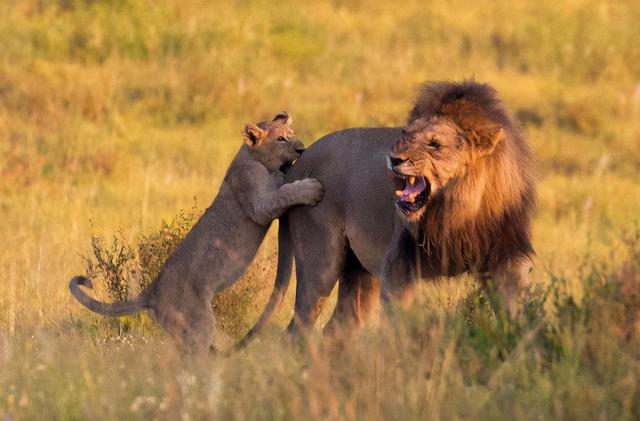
(394, 161)
(414, 193)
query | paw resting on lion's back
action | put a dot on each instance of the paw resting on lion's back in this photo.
(308, 190)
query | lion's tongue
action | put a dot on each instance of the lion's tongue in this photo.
(410, 191)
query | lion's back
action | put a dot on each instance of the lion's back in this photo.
(340, 154)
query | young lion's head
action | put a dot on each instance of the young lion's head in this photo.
(462, 166)
(273, 143)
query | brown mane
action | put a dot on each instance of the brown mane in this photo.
(481, 220)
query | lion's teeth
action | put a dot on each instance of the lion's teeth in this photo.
(412, 197)
(412, 180)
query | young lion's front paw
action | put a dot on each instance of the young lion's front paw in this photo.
(310, 191)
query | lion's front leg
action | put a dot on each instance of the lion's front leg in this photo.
(510, 281)
(265, 206)
(399, 274)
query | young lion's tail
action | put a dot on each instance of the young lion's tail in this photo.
(108, 309)
(283, 276)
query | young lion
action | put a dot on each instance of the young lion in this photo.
(220, 246)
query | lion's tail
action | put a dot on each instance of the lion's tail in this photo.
(108, 309)
(283, 276)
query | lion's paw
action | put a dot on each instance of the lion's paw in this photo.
(310, 190)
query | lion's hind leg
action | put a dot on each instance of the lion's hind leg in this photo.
(319, 262)
(358, 297)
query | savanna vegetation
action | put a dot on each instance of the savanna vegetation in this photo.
(115, 115)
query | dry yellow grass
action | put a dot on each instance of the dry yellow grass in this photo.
(121, 112)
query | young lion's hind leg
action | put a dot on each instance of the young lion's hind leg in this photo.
(191, 328)
(201, 335)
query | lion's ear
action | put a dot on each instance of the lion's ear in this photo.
(253, 135)
(284, 118)
(486, 139)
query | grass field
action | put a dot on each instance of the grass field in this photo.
(115, 114)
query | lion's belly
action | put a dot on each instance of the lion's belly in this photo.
(369, 230)
(351, 164)
(370, 214)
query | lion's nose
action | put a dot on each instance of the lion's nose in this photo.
(394, 160)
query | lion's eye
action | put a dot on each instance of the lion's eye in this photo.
(282, 139)
(433, 144)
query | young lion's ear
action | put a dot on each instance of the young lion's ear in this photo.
(253, 135)
(485, 139)
(284, 118)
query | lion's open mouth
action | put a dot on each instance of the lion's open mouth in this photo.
(414, 195)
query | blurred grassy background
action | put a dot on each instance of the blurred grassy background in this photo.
(121, 112)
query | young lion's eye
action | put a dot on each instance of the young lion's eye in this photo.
(282, 139)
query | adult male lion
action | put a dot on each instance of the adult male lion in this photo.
(220, 246)
(461, 176)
